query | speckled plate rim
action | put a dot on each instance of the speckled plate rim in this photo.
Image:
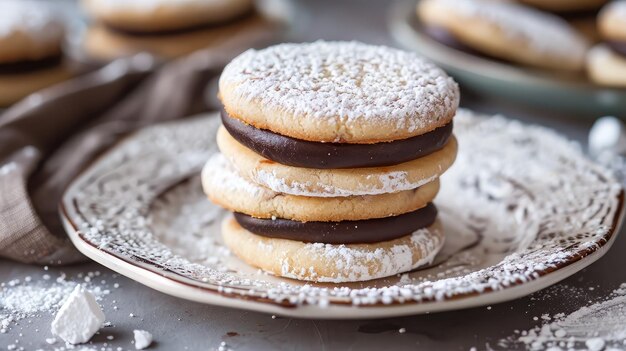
(176, 285)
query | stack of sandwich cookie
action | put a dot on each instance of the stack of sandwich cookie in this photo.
(606, 62)
(505, 31)
(166, 28)
(31, 38)
(330, 158)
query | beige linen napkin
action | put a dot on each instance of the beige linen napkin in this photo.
(48, 138)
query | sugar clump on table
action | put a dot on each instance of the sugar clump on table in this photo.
(143, 339)
(79, 318)
(30, 299)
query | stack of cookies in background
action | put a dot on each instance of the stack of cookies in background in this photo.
(505, 31)
(606, 62)
(581, 14)
(330, 158)
(31, 41)
(166, 28)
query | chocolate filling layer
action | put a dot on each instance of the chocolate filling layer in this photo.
(29, 66)
(617, 46)
(445, 37)
(581, 14)
(345, 232)
(302, 153)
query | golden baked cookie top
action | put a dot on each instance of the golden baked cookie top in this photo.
(338, 92)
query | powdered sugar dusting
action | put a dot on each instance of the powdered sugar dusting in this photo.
(34, 18)
(616, 9)
(222, 174)
(355, 264)
(389, 183)
(347, 84)
(543, 32)
(532, 199)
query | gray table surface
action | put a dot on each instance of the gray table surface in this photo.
(181, 325)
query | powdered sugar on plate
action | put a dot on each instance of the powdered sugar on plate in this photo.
(398, 258)
(527, 199)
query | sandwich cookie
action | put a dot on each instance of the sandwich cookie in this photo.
(330, 263)
(330, 159)
(227, 188)
(317, 182)
(338, 92)
(507, 31)
(166, 28)
(31, 38)
(606, 62)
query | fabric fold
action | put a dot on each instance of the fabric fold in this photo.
(51, 136)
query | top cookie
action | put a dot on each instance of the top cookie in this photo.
(164, 15)
(29, 31)
(509, 31)
(338, 92)
(565, 6)
(612, 21)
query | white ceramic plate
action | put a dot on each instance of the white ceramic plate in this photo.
(573, 94)
(522, 209)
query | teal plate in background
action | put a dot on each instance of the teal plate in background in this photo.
(573, 95)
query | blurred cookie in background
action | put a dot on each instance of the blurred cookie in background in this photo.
(168, 29)
(612, 25)
(102, 43)
(31, 55)
(606, 62)
(581, 14)
(566, 6)
(586, 25)
(150, 16)
(505, 31)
